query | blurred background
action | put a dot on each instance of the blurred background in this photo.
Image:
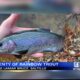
(22, 6)
(55, 74)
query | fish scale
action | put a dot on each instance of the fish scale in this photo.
(32, 41)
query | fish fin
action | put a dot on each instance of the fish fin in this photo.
(18, 56)
(53, 51)
(37, 29)
(20, 32)
(22, 52)
(42, 29)
(15, 53)
(47, 51)
(31, 51)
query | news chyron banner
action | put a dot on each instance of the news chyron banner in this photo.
(39, 65)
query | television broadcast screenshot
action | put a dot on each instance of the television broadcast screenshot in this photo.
(39, 35)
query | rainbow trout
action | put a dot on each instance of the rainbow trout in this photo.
(32, 41)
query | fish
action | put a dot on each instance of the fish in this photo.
(31, 41)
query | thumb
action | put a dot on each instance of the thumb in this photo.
(10, 21)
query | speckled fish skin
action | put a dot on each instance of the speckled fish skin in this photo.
(32, 41)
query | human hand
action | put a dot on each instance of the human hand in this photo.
(8, 27)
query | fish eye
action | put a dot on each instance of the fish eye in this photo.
(0, 44)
